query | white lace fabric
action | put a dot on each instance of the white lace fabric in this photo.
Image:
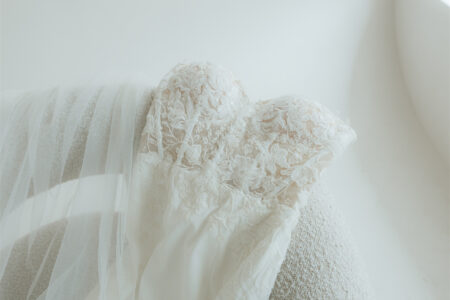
(220, 181)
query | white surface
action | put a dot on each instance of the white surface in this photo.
(392, 186)
(423, 38)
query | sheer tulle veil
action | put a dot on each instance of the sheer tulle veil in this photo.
(66, 166)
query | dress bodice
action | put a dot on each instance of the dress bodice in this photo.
(201, 118)
(221, 180)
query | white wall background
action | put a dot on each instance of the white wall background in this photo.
(392, 185)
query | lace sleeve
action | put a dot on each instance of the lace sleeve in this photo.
(287, 143)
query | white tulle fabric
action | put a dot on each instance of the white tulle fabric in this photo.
(201, 205)
(221, 181)
(66, 155)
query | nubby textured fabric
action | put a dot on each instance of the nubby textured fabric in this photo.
(322, 261)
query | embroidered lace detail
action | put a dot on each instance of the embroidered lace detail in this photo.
(193, 109)
(288, 141)
(201, 117)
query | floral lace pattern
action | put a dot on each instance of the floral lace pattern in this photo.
(201, 116)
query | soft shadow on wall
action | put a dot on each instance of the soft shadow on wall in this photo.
(423, 39)
(408, 175)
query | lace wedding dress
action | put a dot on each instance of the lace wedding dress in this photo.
(205, 203)
(221, 181)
